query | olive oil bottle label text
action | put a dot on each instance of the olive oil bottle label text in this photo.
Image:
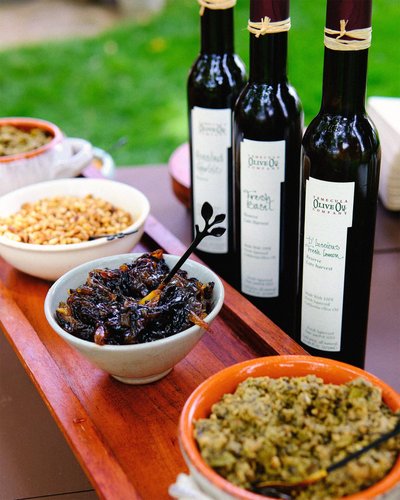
(262, 170)
(328, 215)
(211, 152)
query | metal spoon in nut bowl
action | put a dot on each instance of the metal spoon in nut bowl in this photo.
(281, 489)
(111, 237)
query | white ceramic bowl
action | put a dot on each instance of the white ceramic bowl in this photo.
(52, 261)
(104, 162)
(61, 157)
(139, 363)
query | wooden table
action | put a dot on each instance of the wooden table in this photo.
(125, 436)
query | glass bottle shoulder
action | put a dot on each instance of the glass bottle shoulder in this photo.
(215, 72)
(264, 105)
(351, 137)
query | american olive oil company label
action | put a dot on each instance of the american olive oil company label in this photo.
(328, 215)
(262, 170)
(211, 148)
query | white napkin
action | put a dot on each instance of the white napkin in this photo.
(385, 113)
(185, 488)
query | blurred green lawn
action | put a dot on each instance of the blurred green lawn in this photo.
(131, 81)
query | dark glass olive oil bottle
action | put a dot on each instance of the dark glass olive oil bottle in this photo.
(214, 83)
(341, 158)
(267, 130)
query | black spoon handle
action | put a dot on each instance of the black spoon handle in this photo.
(366, 448)
(206, 212)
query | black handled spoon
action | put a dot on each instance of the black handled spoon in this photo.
(206, 212)
(280, 488)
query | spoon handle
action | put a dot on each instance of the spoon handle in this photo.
(366, 448)
(111, 237)
(118, 236)
(206, 212)
(271, 486)
(172, 272)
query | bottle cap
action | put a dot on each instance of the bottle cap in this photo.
(276, 10)
(357, 13)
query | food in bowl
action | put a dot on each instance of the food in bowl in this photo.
(15, 140)
(108, 308)
(64, 220)
(133, 363)
(287, 428)
(39, 151)
(200, 402)
(52, 261)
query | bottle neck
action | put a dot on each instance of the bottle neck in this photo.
(217, 31)
(344, 83)
(268, 58)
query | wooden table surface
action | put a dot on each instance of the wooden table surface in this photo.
(383, 343)
(125, 437)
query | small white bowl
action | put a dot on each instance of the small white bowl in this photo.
(104, 162)
(52, 261)
(138, 363)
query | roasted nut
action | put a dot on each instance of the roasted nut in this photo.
(64, 220)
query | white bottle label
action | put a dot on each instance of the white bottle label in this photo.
(262, 170)
(328, 215)
(211, 140)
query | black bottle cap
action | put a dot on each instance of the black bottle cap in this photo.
(356, 12)
(276, 10)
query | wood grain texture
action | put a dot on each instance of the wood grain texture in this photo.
(125, 437)
(65, 407)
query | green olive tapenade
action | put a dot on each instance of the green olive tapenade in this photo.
(287, 428)
(15, 140)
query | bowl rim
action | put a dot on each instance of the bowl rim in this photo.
(144, 213)
(131, 347)
(19, 121)
(193, 456)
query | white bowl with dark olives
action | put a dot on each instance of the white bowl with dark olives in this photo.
(98, 309)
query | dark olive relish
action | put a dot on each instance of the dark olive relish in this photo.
(108, 308)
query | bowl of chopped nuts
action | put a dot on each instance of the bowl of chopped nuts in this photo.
(50, 227)
(33, 150)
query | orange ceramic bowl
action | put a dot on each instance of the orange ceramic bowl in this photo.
(61, 157)
(209, 392)
(27, 124)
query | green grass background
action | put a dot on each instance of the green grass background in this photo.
(131, 81)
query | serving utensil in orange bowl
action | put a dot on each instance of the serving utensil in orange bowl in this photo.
(226, 381)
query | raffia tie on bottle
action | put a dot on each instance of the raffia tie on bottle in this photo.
(266, 26)
(215, 5)
(361, 38)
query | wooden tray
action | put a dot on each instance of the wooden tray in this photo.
(125, 437)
